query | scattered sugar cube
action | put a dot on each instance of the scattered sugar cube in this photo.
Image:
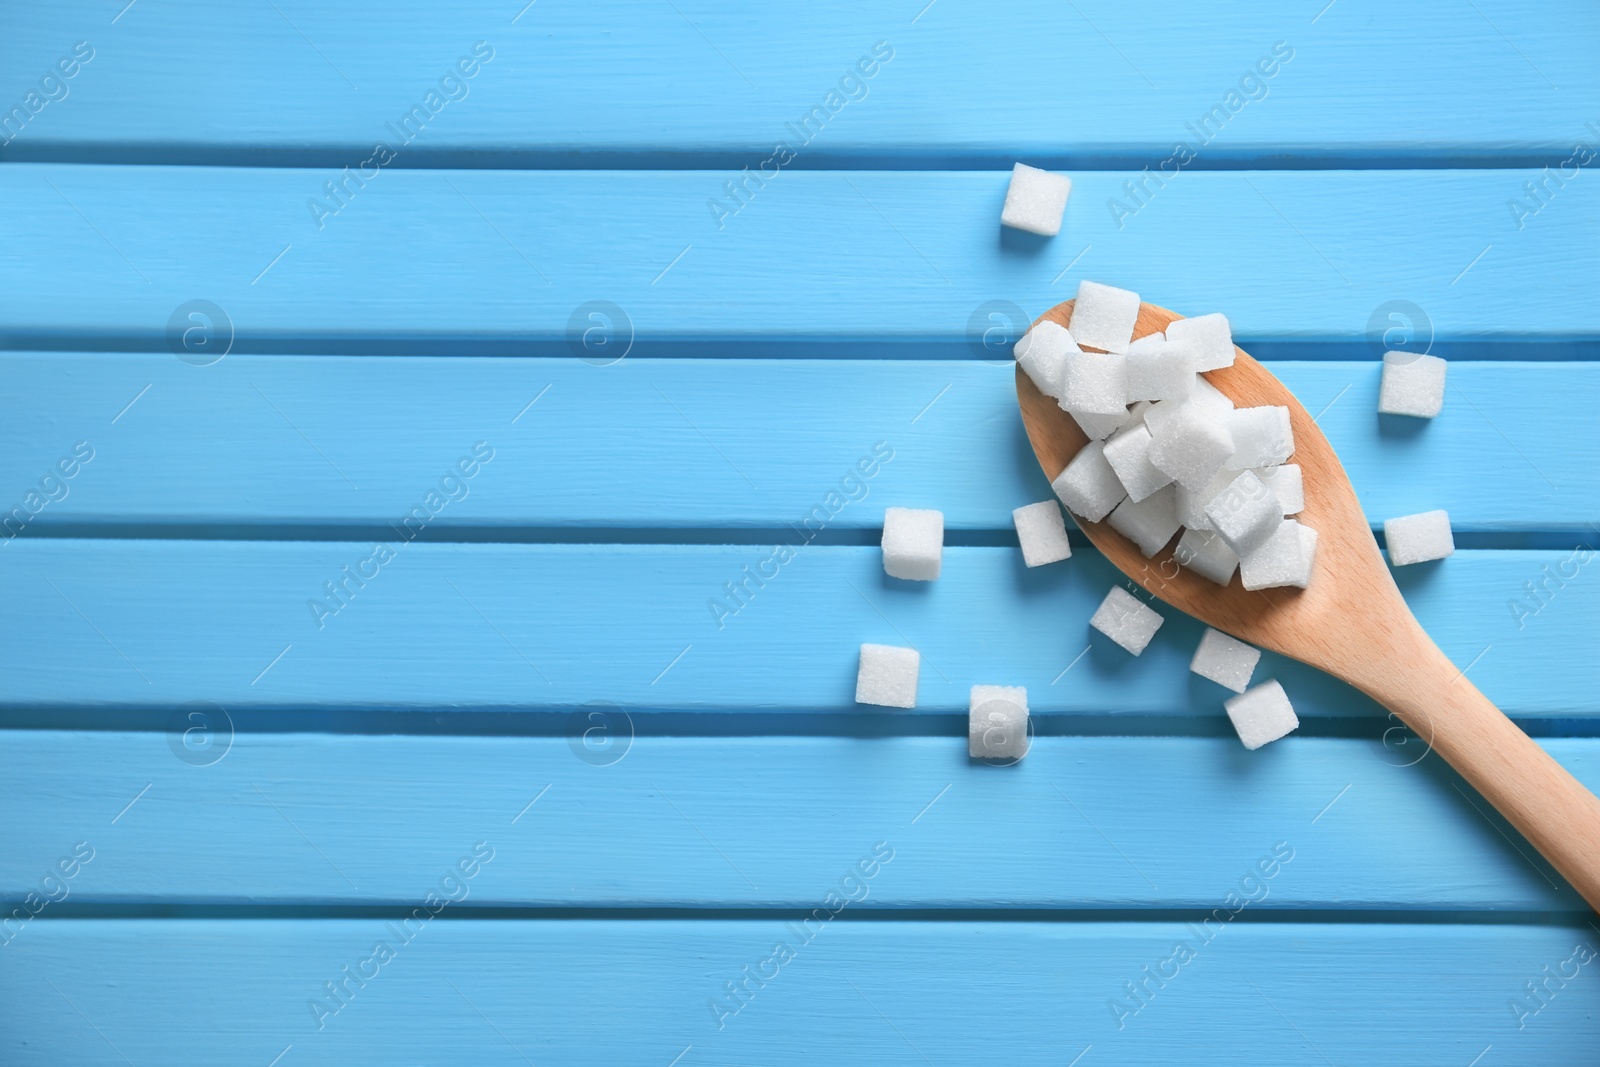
(1224, 660)
(888, 676)
(1211, 337)
(913, 543)
(1207, 554)
(1089, 487)
(1262, 437)
(1035, 200)
(1042, 353)
(1283, 559)
(1099, 427)
(997, 722)
(1192, 505)
(1103, 316)
(1148, 523)
(1128, 452)
(1418, 538)
(1287, 485)
(1262, 714)
(1043, 533)
(1191, 445)
(1246, 513)
(1126, 619)
(1158, 370)
(1412, 385)
(1094, 383)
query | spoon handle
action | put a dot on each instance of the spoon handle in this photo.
(1552, 809)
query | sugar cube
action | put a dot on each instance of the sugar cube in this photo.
(1089, 487)
(1224, 660)
(1095, 383)
(1283, 559)
(1043, 533)
(1035, 200)
(1126, 619)
(1287, 485)
(887, 676)
(997, 722)
(1103, 316)
(913, 543)
(1412, 385)
(1191, 446)
(1158, 370)
(1042, 353)
(1211, 337)
(1206, 393)
(1099, 427)
(1192, 505)
(1207, 554)
(1148, 523)
(1418, 538)
(1245, 513)
(1262, 437)
(1206, 399)
(1128, 452)
(1262, 714)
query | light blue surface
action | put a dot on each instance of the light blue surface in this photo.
(262, 787)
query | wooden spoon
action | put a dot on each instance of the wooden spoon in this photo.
(1352, 622)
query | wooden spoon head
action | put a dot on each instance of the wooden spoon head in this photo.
(1351, 586)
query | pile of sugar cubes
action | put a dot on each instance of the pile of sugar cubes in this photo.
(1167, 450)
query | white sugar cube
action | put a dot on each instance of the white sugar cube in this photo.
(1262, 437)
(1412, 385)
(1042, 352)
(1418, 538)
(1224, 660)
(888, 676)
(1206, 399)
(1207, 554)
(1148, 523)
(1089, 487)
(1191, 446)
(1284, 559)
(1262, 714)
(1246, 513)
(1192, 504)
(1035, 200)
(1211, 337)
(997, 722)
(1099, 427)
(1206, 393)
(1103, 316)
(1126, 619)
(1042, 532)
(1094, 383)
(1158, 370)
(913, 543)
(1128, 452)
(1287, 485)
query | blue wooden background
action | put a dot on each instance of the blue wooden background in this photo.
(453, 308)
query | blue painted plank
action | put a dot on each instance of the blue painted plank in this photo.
(140, 624)
(237, 991)
(324, 443)
(866, 264)
(641, 821)
(962, 85)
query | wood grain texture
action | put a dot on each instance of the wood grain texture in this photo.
(710, 80)
(222, 444)
(1351, 620)
(142, 624)
(182, 992)
(861, 265)
(770, 822)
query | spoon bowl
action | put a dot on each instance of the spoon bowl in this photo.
(1352, 621)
